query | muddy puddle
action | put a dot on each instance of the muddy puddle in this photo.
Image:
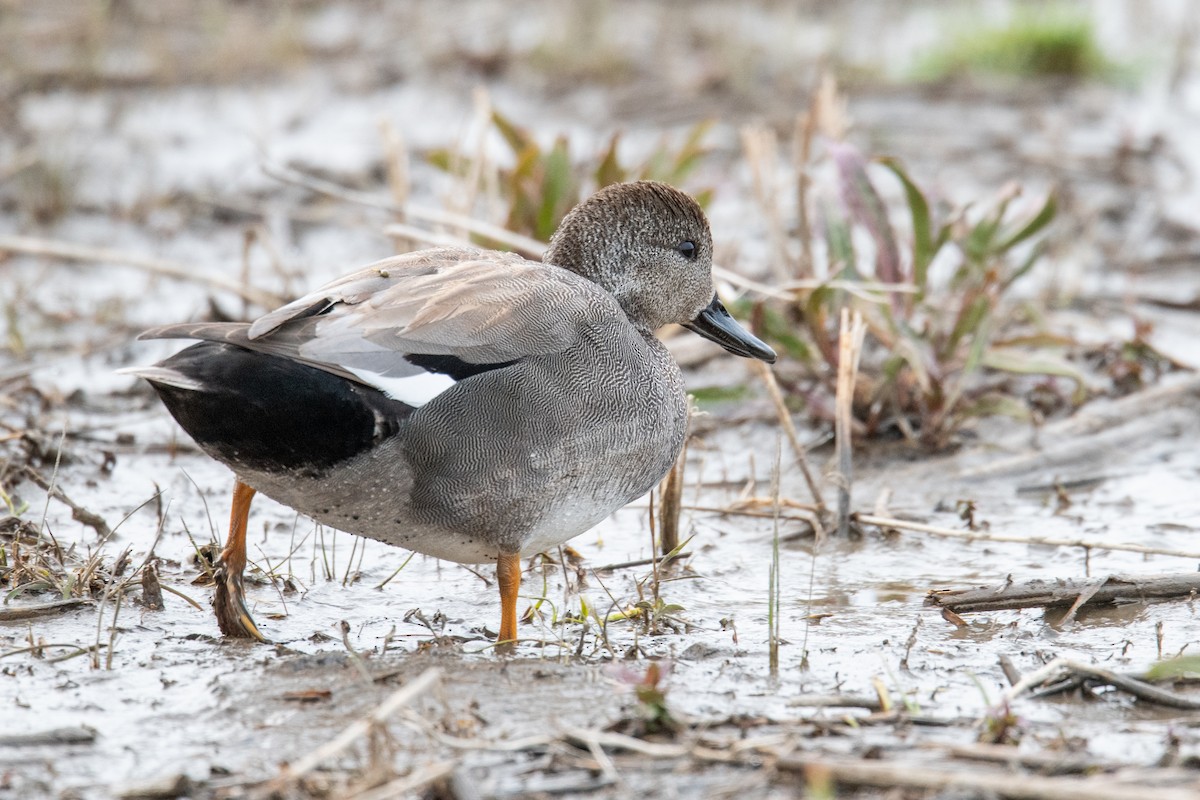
(111, 698)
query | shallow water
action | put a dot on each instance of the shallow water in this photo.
(152, 164)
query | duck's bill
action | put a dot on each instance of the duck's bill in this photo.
(715, 324)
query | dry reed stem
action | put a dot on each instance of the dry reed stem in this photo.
(785, 419)
(15, 613)
(620, 741)
(396, 162)
(525, 245)
(773, 587)
(643, 562)
(1066, 668)
(761, 147)
(850, 341)
(1048, 541)
(396, 166)
(805, 127)
(671, 495)
(917, 775)
(829, 108)
(807, 514)
(893, 773)
(51, 248)
(469, 189)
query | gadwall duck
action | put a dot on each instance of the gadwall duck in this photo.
(466, 404)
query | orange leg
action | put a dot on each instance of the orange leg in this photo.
(230, 601)
(508, 575)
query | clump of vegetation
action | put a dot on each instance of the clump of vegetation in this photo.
(543, 184)
(942, 338)
(1040, 41)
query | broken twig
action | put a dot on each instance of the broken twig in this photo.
(863, 772)
(1041, 593)
(14, 613)
(70, 251)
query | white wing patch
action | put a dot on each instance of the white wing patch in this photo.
(413, 390)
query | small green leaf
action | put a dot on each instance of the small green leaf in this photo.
(443, 158)
(1036, 223)
(840, 244)
(715, 395)
(970, 318)
(517, 138)
(996, 404)
(1034, 254)
(1038, 363)
(1180, 667)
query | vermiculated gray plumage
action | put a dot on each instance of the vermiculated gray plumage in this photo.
(474, 403)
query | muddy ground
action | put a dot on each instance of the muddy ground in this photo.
(145, 133)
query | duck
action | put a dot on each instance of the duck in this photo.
(462, 403)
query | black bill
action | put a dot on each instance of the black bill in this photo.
(715, 324)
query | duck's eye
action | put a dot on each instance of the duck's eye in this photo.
(687, 249)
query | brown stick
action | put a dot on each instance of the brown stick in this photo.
(71, 251)
(1002, 784)
(80, 735)
(525, 245)
(1055, 593)
(1048, 763)
(643, 562)
(850, 340)
(12, 613)
(671, 499)
(785, 419)
(78, 512)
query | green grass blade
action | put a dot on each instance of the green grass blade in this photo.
(609, 170)
(517, 137)
(1021, 362)
(839, 244)
(556, 189)
(925, 246)
(1034, 226)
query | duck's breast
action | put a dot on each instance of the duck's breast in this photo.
(536, 453)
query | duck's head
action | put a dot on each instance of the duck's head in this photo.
(650, 246)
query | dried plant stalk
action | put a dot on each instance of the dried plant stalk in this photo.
(785, 419)
(762, 154)
(670, 500)
(850, 341)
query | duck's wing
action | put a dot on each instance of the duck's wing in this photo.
(451, 313)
